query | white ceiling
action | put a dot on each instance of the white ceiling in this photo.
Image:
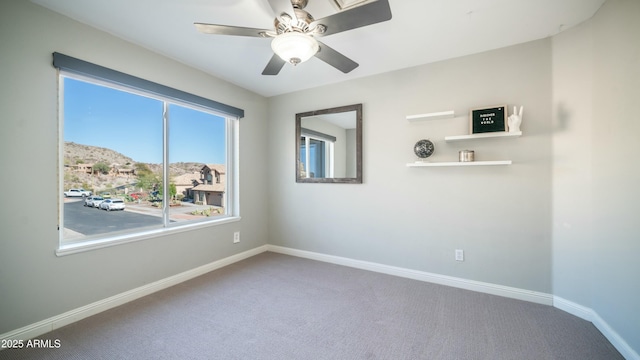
(420, 32)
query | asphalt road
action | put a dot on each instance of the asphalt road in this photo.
(92, 221)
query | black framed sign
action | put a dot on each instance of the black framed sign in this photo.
(491, 119)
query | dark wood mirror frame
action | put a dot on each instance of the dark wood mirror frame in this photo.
(350, 180)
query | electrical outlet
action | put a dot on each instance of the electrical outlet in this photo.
(236, 237)
(459, 255)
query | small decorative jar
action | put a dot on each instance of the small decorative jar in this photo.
(466, 155)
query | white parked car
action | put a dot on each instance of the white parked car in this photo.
(112, 204)
(77, 193)
(93, 201)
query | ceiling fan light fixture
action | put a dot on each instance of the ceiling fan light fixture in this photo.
(295, 47)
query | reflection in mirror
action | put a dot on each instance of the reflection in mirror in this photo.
(329, 145)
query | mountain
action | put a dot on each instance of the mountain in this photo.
(86, 154)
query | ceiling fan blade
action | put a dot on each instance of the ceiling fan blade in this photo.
(229, 30)
(367, 14)
(282, 6)
(274, 66)
(335, 59)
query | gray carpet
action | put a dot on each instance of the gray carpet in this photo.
(274, 306)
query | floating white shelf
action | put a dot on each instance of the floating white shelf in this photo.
(483, 136)
(459, 163)
(432, 116)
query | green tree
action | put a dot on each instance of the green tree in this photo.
(172, 190)
(101, 168)
(142, 169)
(148, 180)
(87, 186)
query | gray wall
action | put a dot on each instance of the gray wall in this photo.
(616, 177)
(416, 217)
(560, 220)
(596, 177)
(34, 283)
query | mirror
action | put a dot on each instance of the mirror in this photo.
(329, 145)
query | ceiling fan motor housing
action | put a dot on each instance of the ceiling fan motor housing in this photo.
(299, 4)
(285, 23)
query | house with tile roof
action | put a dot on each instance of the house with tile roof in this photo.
(210, 187)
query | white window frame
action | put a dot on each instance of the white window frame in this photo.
(232, 207)
(329, 163)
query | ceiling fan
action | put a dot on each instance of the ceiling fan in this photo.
(295, 31)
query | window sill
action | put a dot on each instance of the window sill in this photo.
(89, 245)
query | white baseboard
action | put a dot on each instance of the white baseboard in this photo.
(506, 291)
(47, 325)
(572, 308)
(588, 314)
(532, 296)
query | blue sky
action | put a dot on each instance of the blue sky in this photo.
(132, 125)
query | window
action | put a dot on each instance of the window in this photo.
(317, 154)
(138, 158)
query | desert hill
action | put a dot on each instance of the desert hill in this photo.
(86, 154)
(75, 154)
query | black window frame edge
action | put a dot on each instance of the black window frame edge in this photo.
(74, 65)
(317, 134)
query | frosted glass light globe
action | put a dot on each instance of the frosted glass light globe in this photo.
(295, 47)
